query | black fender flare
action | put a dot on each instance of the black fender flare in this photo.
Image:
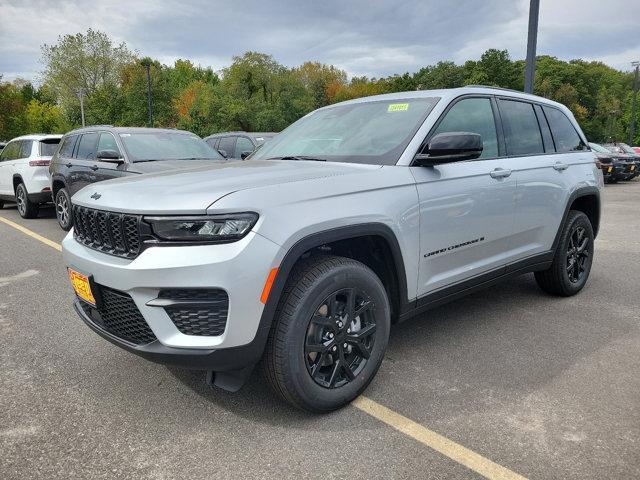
(58, 178)
(580, 192)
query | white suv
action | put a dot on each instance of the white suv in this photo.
(24, 172)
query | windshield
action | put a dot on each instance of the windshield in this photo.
(148, 146)
(598, 148)
(375, 132)
(48, 147)
(627, 148)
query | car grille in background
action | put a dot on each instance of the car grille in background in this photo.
(118, 314)
(114, 233)
(200, 312)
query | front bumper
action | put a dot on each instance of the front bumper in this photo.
(239, 268)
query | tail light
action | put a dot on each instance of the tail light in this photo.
(39, 163)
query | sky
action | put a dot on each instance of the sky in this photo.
(370, 37)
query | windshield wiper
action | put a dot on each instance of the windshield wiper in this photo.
(299, 157)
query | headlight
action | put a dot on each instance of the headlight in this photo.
(209, 228)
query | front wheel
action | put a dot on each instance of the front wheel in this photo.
(26, 208)
(330, 334)
(63, 209)
(572, 262)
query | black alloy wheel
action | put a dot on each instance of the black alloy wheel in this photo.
(578, 252)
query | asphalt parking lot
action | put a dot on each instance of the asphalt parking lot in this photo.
(544, 387)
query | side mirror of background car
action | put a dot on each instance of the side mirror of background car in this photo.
(110, 156)
(450, 147)
(223, 153)
(245, 154)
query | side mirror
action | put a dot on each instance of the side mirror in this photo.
(110, 156)
(245, 154)
(223, 153)
(450, 147)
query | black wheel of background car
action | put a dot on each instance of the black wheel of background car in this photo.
(1, 204)
(573, 258)
(329, 334)
(340, 338)
(63, 209)
(26, 208)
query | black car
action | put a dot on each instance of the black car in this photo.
(102, 152)
(613, 168)
(238, 145)
(625, 151)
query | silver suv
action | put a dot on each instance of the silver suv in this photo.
(357, 216)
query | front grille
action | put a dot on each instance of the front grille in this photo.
(200, 312)
(118, 314)
(109, 232)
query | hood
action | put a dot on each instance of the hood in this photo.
(191, 191)
(164, 165)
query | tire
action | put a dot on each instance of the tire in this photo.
(26, 208)
(62, 203)
(572, 261)
(1, 204)
(288, 364)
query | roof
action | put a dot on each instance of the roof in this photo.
(451, 93)
(249, 134)
(37, 136)
(111, 128)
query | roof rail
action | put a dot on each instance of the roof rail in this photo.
(498, 88)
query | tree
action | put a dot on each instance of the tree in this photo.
(86, 61)
(44, 118)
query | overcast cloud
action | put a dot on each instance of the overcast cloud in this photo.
(373, 38)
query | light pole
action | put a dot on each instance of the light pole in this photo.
(81, 95)
(613, 118)
(634, 101)
(532, 40)
(146, 63)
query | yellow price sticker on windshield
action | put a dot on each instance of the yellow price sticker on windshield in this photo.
(398, 107)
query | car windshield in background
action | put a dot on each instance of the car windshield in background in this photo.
(598, 148)
(375, 132)
(263, 138)
(48, 147)
(626, 148)
(152, 146)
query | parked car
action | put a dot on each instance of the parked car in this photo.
(24, 176)
(613, 168)
(636, 149)
(625, 152)
(102, 152)
(2, 145)
(357, 216)
(238, 145)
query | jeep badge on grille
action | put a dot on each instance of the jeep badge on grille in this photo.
(96, 196)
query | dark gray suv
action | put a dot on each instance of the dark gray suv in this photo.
(102, 152)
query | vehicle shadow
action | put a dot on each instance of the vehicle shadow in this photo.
(45, 211)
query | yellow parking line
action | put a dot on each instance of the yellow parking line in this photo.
(32, 234)
(435, 441)
(429, 438)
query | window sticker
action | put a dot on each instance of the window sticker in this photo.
(398, 107)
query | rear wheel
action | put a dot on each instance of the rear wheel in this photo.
(573, 258)
(1, 204)
(329, 335)
(26, 208)
(63, 209)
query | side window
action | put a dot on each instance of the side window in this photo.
(87, 147)
(546, 132)
(213, 142)
(228, 144)
(243, 144)
(11, 151)
(107, 142)
(521, 129)
(66, 150)
(564, 134)
(25, 149)
(473, 115)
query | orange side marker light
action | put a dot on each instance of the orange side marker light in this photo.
(268, 284)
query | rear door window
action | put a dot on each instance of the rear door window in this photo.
(25, 148)
(68, 143)
(544, 127)
(87, 147)
(564, 133)
(48, 146)
(521, 129)
(473, 115)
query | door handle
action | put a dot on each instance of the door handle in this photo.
(559, 166)
(500, 173)
(94, 167)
